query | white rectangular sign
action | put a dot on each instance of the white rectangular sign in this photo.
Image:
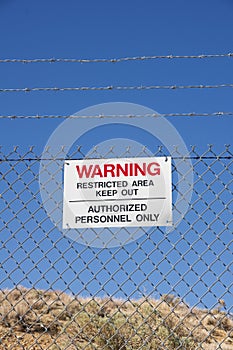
(117, 192)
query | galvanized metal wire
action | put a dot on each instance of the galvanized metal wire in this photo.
(112, 60)
(153, 115)
(117, 88)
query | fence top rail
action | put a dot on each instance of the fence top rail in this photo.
(62, 153)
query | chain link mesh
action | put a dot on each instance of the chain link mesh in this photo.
(163, 291)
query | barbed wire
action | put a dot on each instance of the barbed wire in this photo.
(112, 60)
(112, 87)
(31, 159)
(100, 116)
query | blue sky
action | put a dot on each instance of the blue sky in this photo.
(106, 29)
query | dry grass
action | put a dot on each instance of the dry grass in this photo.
(36, 320)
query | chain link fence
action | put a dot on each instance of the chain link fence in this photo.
(165, 290)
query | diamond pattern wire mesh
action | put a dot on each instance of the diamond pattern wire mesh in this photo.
(163, 291)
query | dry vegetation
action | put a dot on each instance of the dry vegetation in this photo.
(34, 319)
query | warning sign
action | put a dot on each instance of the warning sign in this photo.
(117, 192)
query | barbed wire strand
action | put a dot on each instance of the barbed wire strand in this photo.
(113, 60)
(64, 159)
(100, 116)
(112, 87)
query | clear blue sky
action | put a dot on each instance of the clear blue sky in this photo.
(116, 29)
(107, 29)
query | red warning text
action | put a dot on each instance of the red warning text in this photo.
(117, 170)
